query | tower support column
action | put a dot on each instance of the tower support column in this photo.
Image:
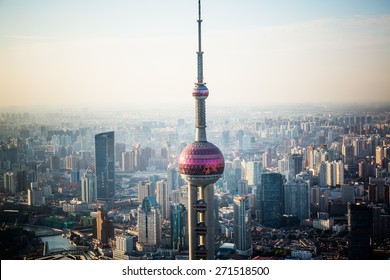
(192, 220)
(210, 221)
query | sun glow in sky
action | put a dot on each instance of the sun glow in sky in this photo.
(132, 53)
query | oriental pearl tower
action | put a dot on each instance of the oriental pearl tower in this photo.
(201, 164)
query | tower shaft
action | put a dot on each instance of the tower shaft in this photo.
(200, 120)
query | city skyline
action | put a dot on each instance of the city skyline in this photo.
(48, 161)
(71, 52)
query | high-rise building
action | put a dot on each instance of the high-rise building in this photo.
(360, 230)
(377, 190)
(247, 142)
(322, 175)
(54, 162)
(339, 172)
(172, 178)
(271, 199)
(314, 200)
(119, 149)
(232, 174)
(104, 227)
(253, 172)
(266, 157)
(21, 178)
(323, 202)
(242, 187)
(296, 199)
(179, 227)
(242, 226)
(128, 161)
(125, 244)
(149, 225)
(9, 182)
(358, 148)
(162, 198)
(75, 176)
(283, 165)
(35, 196)
(380, 225)
(88, 187)
(310, 156)
(105, 165)
(379, 155)
(146, 188)
(201, 164)
(331, 174)
(348, 153)
(348, 194)
(295, 164)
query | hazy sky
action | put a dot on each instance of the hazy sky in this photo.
(131, 53)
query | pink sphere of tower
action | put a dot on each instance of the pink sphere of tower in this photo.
(200, 90)
(201, 163)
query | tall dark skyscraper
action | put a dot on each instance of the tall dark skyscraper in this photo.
(360, 232)
(271, 199)
(105, 165)
(201, 164)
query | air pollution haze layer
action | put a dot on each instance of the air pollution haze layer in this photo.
(136, 53)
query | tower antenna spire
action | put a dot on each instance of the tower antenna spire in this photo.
(200, 53)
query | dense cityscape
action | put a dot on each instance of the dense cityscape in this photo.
(303, 181)
(299, 183)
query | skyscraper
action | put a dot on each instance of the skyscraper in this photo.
(360, 231)
(295, 163)
(9, 182)
(145, 188)
(105, 165)
(88, 187)
(119, 149)
(379, 155)
(179, 227)
(242, 226)
(124, 246)
(35, 196)
(331, 174)
(242, 187)
(347, 194)
(271, 199)
(172, 178)
(348, 153)
(201, 164)
(21, 179)
(149, 225)
(296, 199)
(253, 172)
(162, 198)
(104, 227)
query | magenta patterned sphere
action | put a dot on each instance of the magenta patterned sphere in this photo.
(200, 90)
(202, 159)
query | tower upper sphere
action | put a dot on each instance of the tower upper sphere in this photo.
(200, 91)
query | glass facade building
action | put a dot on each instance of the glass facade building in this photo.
(105, 165)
